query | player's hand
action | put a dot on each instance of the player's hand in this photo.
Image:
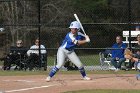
(87, 38)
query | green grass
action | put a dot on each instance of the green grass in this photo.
(90, 60)
(1, 63)
(105, 91)
(22, 73)
(87, 60)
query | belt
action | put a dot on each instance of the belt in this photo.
(68, 49)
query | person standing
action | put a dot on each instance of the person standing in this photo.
(72, 40)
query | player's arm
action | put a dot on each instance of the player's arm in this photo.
(86, 40)
(80, 42)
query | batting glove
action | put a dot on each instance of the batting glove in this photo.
(87, 39)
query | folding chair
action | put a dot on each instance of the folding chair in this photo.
(38, 65)
(105, 60)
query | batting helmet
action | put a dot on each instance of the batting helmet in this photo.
(75, 24)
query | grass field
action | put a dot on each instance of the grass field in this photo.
(87, 60)
(22, 73)
(105, 91)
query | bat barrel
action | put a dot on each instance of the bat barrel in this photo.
(76, 17)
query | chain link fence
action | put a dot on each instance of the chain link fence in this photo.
(49, 20)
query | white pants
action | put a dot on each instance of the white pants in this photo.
(62, 54)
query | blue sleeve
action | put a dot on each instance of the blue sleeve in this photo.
(118, 52)
(124, 45)
(82, 38)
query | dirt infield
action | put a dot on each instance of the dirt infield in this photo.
(63, 82)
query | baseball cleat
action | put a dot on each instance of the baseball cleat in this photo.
(48, 79)
(86, 78)
(138, 76)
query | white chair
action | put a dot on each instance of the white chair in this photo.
(133, 34)
(126, 35)
(105, 61)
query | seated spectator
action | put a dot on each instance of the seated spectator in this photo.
(33, 54)
(137, 47)
(16, 54)
(118, 53)
(132, 58)
(136, 61)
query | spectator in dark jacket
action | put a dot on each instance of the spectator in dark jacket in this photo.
(118, 53)
(15, 55)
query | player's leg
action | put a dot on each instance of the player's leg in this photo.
(74, 59)
(60, 61)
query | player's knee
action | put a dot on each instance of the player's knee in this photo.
(81, 67)
(58, 66)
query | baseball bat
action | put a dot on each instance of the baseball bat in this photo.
(76, 17)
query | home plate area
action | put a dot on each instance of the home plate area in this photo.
(62, 83)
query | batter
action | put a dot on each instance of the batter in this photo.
(72, 39)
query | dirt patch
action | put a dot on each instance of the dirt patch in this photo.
(62, 83)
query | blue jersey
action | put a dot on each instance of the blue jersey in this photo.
(118, 52)
(70, 41)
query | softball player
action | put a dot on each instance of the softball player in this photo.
(72, 39)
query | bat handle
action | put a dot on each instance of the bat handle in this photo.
(85, 33)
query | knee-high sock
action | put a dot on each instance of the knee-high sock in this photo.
(53, 71)
(82, 71)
